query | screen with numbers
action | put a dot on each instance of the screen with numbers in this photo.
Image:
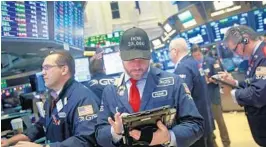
(24, 19)
(198, 35)
(69, 23)
(218, 28)
(259, 19)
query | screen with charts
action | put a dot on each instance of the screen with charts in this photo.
(198, 35)
(219, 28)
(104, 40)
(259, 18)
(24, 19)
(162, 56)
(69, 23)
(82, 69)
(113, 63)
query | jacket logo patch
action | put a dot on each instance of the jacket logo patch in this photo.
(93, 82)
(166, 82)
(159, 93)
(85, 110)
(182, 76)
(261, 71)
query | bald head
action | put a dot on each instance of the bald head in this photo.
(179, 44)
(178, 48)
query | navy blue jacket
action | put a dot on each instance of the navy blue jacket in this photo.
(188, 70)
(210, 68)
(252, 95)
(161, 89)
(75, 122)
(97, 83)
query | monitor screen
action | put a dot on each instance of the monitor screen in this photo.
(24, 19)
(162, 56)
(187, 19)
(198, 35)
(3, 84)
(40, 84)
(219, 28)
(113, 63)
(82, 69)
(69, 23)
(259, 19)
(104, 40)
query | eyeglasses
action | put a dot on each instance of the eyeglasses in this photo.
(234, 50)
(47, 66)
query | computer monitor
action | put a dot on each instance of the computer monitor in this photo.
(82, 72)
(113, 63)
(40, 84)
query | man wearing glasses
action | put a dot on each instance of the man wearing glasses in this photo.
(252, 92)
(70, 111)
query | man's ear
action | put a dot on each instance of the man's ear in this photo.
(65, 70)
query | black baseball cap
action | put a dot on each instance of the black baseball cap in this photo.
(135, 44)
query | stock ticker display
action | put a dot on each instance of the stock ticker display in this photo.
(218, 28)
(69, 23)
(24, 19)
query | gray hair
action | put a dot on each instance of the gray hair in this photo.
(179, 44)
(236, 34)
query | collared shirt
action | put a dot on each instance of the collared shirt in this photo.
(180, 60)
(58, 92)
(256, 47)
(140, 83)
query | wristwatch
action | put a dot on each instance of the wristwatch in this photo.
(166, 144)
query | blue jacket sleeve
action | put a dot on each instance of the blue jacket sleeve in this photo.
(253, 94)
(82, 126)
(36, 131)
(103, 128)
(190, 126)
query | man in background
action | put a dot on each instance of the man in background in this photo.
(210, 67)
(188, 69)
(99, 80)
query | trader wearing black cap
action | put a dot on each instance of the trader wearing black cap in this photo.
(142, 88)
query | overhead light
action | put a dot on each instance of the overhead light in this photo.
(167, 27)
(225, 11)
(233, 8)
(218, 5)
(156, 42)
(217, 13)
(189, 23)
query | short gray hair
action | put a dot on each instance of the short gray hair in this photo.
(236, 33)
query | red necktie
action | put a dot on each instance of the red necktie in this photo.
(134, 96)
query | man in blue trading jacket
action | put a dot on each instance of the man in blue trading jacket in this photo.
(99, 79)
(210, 68)
(252, 92)
(188, 69)
(70, 117)
(141, 88)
